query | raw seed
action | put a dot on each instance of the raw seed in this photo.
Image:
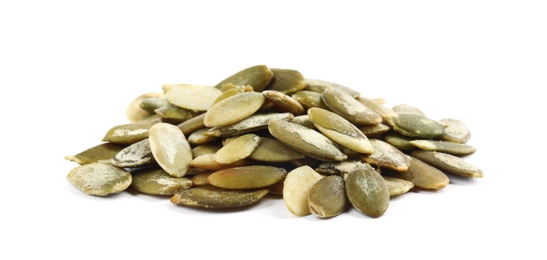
(207, 162)
(247, 125)
(449, 163)
(239, 148)
(170, 148)
(175, 114)
(338, 168)
(286, 81)
(257, 76)
(210, 148)
(296, 189)
(233, 109)
(134, 112)
(374, 130)
(404, 108)
(421, 174)
(320, 86)
(397, 186)
(455, 131)
(155, 181)
(135, 155)
(309, 99)
(272, 150)
(400, 142)
(387, 156)
(367, 191)
(445, 147)
(200, 179)
(210, 197)
(283, 103)
(101, 153)
(127, 133)
(153, 103)
(327, 197)
(349, 108)
(303, 120)
(99, 179)
(415, 125)
(375, 106)
(199, 137)
(192, 97)
(191, 125)
(247, 177)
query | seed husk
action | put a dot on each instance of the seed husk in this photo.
(233, 109)
(309, 99)
(397, 186)
(135, 155)
(338, 168)
(445, 147)
(272, 150)
(367, 191)
(247, 177)
(296, 189)
(134, 112)
(192, 97)
(421, 174)
(320, 86)
(286, 81)
(449, 163)
(401, 142)
(210, 197)
(170, 148)
(349, 108)
(239, 148)
(207, 162)
(191, 125)
(250, 124)
(200, 179)
(305, 140)
(415, 125)
(99, 179)
(127, 133)
(455, 131)
(327, 197)
(405, 108)
(387, 156)
(101, 153)
(257, 76)
(283, 103)
(340, 130)
(155, 181)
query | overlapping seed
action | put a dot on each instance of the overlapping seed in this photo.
(320, 145)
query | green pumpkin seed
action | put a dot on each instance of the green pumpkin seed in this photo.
(134, 112)
(305, 140)
(247, 177)
(338, 168)
(207, 162)
(175, 114)
(349, 108)
(404, 108)
(374, 130)
(210, 197)
(296, 189)
(101, 153)
(193, 124)
(233, 109)
(455, 131)
(367, 191)
(239, 148)
(303, 120)
(379, 109)
(445, 147)
(283, 103)
(401, 142)
(229, 90)
(199, 137)
(272, 150)
(170, 148)
(449, 163)
(200, 179)
(387, 156)
(414, 125)
(257, 76)
(127, 133)
(135, 155)
(153, 103)
(320, 86)
(251, 124)
(155, 181)
(397, 186)
(192, 97)
(340, 130)
(99, 179)
(327, 197)
(309, 99)
(421, 174)
(286, 81)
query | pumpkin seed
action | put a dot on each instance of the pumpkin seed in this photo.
(283, 103)
(134, 112)
(445, 147)
(199, 137)
(250, 124)
(153, 103)
(191, 125)
(272, 150)
(257, 76)
(415, 125)
(99, 179)
(338, 168)
(374, 130)
(192, 97)
(303, 120)
(296, 189)
(400, 142)
(340, 130)
(349, 108)
(405, 108)
(379, 109)
(455, 131)
(327, 197)
(175, 114)
(367, 191)
(127, 133)
(320, 86)
(207, 162)
(286, 81)
(449, 163)
(305, 140)
(155, 181)
(387, 156)
(277, 189)
(101, 153)
(247, 177)
(170, 148)
(309, 99)
(135, 155)
(200, 179)
(233, 109)
(421, 174)
(209, 148)
(210, 197)
(239, 148)
(397, 186)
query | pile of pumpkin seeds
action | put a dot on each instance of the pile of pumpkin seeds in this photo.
(322, 146)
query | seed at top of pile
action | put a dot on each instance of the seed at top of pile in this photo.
(415, 125)
(256, 76)
(233, 109)
(239, 148)
(134, 112)
(192, 97)
(455, 131)
(348, 107)
(286, 81)
(127, 133)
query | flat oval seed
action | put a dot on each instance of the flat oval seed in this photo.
(340, 130)
(192, 97)
(303, 120)
(397, 186)
(374, 130)
(272, 150)
(367, 191)
(327, 197)
(155, 181)
(283, 103)
(99, 179)
(170, 149)
(422, 175)
(200, 179)
(249, 124)
(305, 140)
(210, 197)
(134, 112)
(247, 177)
(207, 162)
(320, 86)
(445, 147)
(448, 163)
(199, 137)
(135, 155)
(400, 142)
(127, 133)
(455, 131)
(404, 108)
(296, 189)
(309, 99)
(349, 108)
(233, 109)
(239, 148)
(191, 125)
(175, 114)
(286, 81)
(381, 110)
(151, 104)
(210, 148)
(339, 168)
(414, 125)
(387, 156)
(102, 153)
(257, 76)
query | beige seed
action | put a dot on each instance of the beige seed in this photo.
(170, 148)
(155, 181)
(247, 177)
(250, 124)
(303, 120)
(379, 109)
(239, 148)
(449, 163)
(283, 103)
(233, 109)
(200, 179)
(296, 189)
(339, 168)
(387, 156)
(309, 99)
(210, 197)
(199, 137)
(445, 147)
(405, 108)
(134, 112)
(127, 133)
(397, 186)
(191, 125)
(99, 179)
(209, 148)
(207, 162)
(320, 86)
(192, 97)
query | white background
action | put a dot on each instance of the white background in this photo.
(69, 69)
